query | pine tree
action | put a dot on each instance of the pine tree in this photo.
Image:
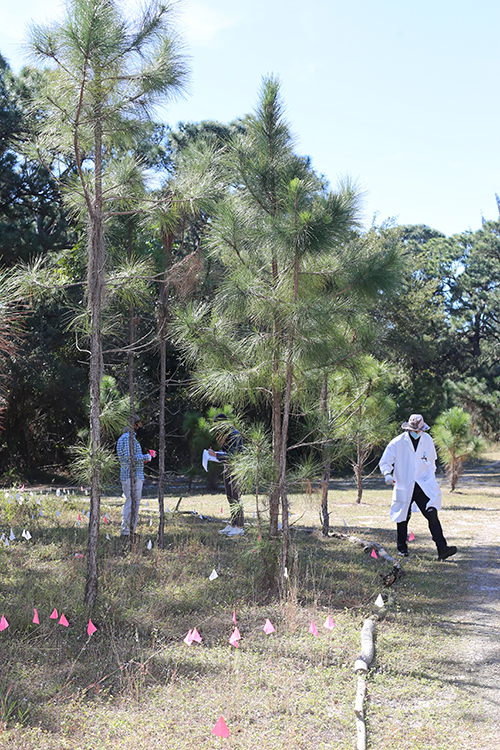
(106, 71)
(287, 307)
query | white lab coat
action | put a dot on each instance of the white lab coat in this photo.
(409, 466)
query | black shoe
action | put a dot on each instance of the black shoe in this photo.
(447, 552)
(403, 553)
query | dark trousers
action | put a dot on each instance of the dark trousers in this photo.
(420, 499)
(233, 498)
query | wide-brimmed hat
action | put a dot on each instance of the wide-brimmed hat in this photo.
(415, 422)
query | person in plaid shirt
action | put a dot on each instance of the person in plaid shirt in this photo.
(140, 458)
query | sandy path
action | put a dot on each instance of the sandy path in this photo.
(477, 613)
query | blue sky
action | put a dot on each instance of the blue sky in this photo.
(400, 96)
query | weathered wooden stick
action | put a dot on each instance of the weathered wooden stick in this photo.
(360, 697)
(361, 733)
(361, 668)
(367, 648)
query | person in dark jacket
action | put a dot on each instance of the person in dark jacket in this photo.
(231, 442)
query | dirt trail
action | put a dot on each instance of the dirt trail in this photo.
(477, 614)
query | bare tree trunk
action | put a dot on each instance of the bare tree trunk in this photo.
(285, 545)
(95, 290)
(161, 416)
(325, 516)
(274, 497)
(359, 481)
(131, 449)
(361, 457)
(167, 241)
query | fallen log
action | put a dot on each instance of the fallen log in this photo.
(367, 546)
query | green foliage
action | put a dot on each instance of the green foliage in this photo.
(481, 398)
(197, 430)
(84, 458)
(253, 467)
(364, 413)
(12, 709)
(413, 328)
(115, 409)
(296, 280)
(32, 219)
(456, 441)
(114, 417)
(468, 265)
(105, 74)
(46, 387)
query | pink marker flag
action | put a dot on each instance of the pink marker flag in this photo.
(195, 636)
(220, 729)
(91, 628)
(222, 510)
(81, 489)
(152, 454)
(35, 617)
(22, 488)
(374, 554)
(234, 616)
(80, 517)
(268, 627)
(312, 628)
(54, 615)
(63, 621)
(411, 537)
(235, 637)
(328, 623)
(105, 520)
(3, 623)
(189, 638)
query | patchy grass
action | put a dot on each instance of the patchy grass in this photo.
(135, 683)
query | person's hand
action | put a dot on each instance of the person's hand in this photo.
(389, 480)
(211, 452)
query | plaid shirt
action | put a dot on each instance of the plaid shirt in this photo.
(122, 448)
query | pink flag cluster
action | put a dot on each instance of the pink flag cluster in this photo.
(192, 637)
(62, 620)
(220, 729)
(235, 638)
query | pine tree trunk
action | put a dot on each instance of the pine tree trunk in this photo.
(133, 494)
(95, 289)
(359, 483)
(325, 516)
(161, 416)
(274, 496)
(285, 545)
(167, 241)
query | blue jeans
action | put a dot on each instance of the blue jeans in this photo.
(127, 506)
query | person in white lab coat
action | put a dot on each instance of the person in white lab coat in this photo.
(409, 466)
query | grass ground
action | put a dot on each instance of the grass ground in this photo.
(135, 684)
